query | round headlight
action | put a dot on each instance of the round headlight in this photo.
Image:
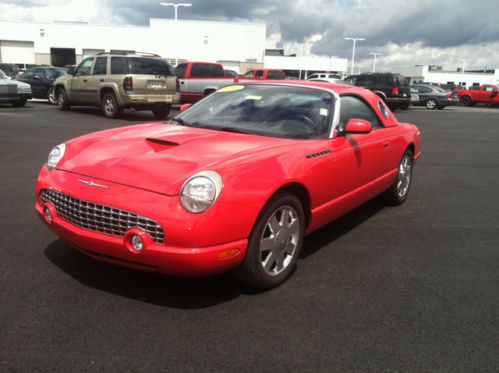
(201, 191)
(55, 156)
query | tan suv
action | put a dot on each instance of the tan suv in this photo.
(120, 81)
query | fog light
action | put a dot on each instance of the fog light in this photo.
(48, 215)
(137, 242)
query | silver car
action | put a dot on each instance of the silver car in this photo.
(13, 91)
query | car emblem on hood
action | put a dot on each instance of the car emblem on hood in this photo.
(91, 183)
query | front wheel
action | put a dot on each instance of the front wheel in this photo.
(465, 101)
(62, 100)
(275, 243)
(397, 194)
(51, 96)
(20, 103)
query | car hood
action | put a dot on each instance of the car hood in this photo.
(159, 157)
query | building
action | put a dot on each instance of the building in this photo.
(238, 45)
(436, 75)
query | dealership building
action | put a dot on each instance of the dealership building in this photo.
(434, 74)
(238, 45)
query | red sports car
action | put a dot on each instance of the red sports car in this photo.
(231, 183)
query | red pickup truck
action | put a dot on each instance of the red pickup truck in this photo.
(486, 94)
(199, 79)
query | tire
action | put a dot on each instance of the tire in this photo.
(62, 100)
(161, 111)
(465, 101)
(20, 103)
(51, 96)
(208, 92)
(404, 107)
(441, 107)
(271, 257)
(110, 106)
(431, 104)
(397, 193)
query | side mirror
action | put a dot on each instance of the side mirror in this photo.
(184, 107)
(37, 77)
(71, 71)
(358, 126)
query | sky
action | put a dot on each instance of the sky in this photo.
(405, 33)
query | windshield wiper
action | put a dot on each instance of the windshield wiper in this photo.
(231, 129)
(180, 121)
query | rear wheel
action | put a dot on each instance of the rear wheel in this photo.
(274, 244)
(62, 100)
(441, 107)
(397, 194)
(431, 104)
(110, 106)
(465, 101)
(51, 96)
(161, 111)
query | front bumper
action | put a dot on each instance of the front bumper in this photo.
(183, 252)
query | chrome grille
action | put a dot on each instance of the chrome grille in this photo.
(100, 218)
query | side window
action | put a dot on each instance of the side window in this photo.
(275, 74)
(383, 109)
(28, 75)
(259, 74)
(85, 67)
(353, 107)
(489, 89)
(207, 71)
(119, 65)
(424, 89)
(180, 71)
(248, 75)
(100, 67)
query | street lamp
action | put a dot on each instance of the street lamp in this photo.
(176, 6)
(353, 51)
(374, 59)
(464, 62)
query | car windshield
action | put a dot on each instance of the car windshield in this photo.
(2, 75)
(54, 73)
(439, 89)
(267, 110)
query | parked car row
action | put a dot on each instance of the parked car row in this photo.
(13, 91)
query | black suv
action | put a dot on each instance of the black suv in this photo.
(392, 88)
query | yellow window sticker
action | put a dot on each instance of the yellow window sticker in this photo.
(252, 97)
(323, 112)
(231, 88)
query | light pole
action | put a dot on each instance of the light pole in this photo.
(464, 62)
(353, 51)
(176, 6)
(374, 59)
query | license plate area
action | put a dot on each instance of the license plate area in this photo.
(155, 84)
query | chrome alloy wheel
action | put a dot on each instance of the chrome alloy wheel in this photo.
(109, 105)
(279, 240)
(431, 104)
(52, 96)
(404, 175)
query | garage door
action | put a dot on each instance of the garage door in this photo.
(91, 52)
(17, 52)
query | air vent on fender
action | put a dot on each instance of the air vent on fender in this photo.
(320, 154)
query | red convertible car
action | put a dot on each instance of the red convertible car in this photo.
(232, 183)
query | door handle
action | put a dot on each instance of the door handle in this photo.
(102, 80)
(181, 82)
(386, 144)
(85, 80)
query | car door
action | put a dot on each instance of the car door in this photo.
(35, 77)
(80, 88)
(366, 155)
(95, 79)
(488, 94)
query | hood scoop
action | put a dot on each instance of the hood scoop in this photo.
(160, 144)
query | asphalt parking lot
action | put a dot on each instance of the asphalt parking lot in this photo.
(411, 288)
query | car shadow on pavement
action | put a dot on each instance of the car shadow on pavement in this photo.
(128, 115)
(154, 288)
(334, 230)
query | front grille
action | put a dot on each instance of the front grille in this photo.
(100, 218)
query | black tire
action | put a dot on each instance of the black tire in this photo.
(465, 101)
(208, 92)
(20, 103)
(404, 107)
(62, 100)
(252, 271)
(431, 104)
(161, 111)
(51, 96)
(441, 107)
(394, 196)
(110, 106)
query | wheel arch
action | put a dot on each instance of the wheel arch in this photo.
(302, 193)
